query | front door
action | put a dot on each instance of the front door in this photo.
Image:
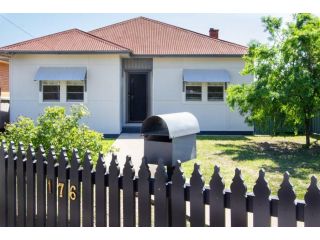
(137, 97)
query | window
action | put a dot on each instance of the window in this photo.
(51, 93)
(215, 93)
(193, 93)
(75, 92)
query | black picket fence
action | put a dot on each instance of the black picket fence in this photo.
(38, 189)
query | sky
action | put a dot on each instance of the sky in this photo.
(238, 28)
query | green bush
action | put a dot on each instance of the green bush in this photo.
(56, 128)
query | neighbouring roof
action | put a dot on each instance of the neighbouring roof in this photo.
(73, 40)
(139, 36)
(145, 36)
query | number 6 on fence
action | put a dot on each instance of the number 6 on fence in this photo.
(72, 193)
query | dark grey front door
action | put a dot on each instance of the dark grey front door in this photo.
(137, 97)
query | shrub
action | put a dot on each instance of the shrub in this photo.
(56, 128)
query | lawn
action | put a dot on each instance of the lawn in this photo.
(107, 142)
(251, 153)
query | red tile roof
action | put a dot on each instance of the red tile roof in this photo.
(150, 37)
(73, 40)
(139, 36)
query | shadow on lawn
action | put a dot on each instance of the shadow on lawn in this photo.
(288, 156)
(222, 138)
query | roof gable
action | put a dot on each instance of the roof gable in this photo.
(73, 40)
(150, 37)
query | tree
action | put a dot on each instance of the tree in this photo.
(286, 71)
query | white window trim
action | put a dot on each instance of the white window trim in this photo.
(63, 91)
(204, 91)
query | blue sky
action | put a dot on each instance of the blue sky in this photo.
(239, 28)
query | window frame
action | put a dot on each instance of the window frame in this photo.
(216, 85)
(193, 85)
(75, 83)
(50, 83)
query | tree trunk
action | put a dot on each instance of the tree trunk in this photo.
(307, 125)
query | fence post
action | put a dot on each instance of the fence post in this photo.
(217, 209)
(75, 190)
(51, 188)
(12, 186)
(101, 198)
(3, 185)
(129, 200)
(286, 205)
(87, 191)
(261, 202)
(238, 202)
(144, 198)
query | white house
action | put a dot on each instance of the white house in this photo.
(127, 71)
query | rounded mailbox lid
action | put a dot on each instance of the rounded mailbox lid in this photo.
(172, 125)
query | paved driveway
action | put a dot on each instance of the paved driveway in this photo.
(129, 144)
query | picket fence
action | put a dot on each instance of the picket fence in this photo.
(38, 189)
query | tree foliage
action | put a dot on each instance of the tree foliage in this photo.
(286, 72)
(56, 128)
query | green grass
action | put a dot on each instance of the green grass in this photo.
(107, 142)
(251, 153)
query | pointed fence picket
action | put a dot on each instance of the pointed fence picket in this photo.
(41, 188)
(75, 190)
(287, 206)
(51, 188)
(3, 185)
(21, 186)
(197, 208)
(178, 202)
(114, 193)
(12, 186)
(101, 198)
(37, 189)
(87, 191)
(160, 197)
(129, 200)
(31, 191)
(63, 189)
(261, 203)
(144, 195)
(217, 209)
(239, 217)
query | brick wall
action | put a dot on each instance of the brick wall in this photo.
(4, 78)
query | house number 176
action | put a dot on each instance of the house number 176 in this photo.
(72, 190)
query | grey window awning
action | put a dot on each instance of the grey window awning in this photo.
(203, 75)
(61, 74)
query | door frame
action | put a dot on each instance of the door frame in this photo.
(128, 73)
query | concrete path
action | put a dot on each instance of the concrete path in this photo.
(129, 144)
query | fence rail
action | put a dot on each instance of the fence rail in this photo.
(38, 189)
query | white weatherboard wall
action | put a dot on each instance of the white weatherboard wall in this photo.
(168, 96)
(103, 87)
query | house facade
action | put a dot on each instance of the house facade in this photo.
(126, 72)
